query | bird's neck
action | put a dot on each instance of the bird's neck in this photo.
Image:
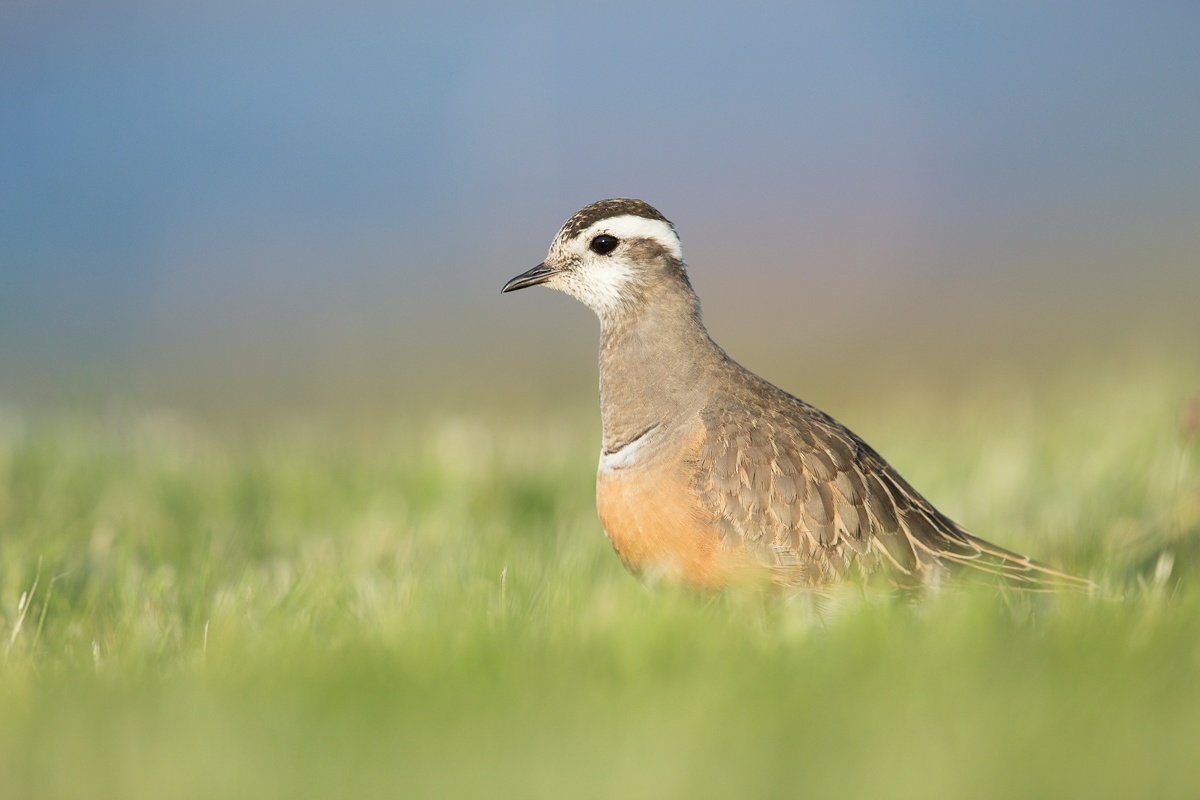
(657, 364)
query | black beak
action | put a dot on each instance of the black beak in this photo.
(539, 274)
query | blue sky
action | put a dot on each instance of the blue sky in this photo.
(176, 182)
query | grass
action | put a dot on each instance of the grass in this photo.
(428, 608)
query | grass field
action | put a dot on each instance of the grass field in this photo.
(427, 607)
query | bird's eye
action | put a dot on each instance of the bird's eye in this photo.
(604, 244)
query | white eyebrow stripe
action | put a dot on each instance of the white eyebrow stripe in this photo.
(630, 226)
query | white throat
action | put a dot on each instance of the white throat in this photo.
(605, 288)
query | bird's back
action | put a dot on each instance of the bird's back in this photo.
(795, 488)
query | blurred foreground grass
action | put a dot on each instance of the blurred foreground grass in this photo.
(429, 608)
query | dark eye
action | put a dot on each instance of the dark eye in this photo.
(604, 244)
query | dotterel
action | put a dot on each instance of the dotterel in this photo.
(711, 475)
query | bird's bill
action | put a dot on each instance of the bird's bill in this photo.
(539, 274)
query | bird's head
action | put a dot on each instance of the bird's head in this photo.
(610, 256)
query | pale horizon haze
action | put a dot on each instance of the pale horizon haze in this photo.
(305, 206)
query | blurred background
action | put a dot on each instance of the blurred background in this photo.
(262, 208)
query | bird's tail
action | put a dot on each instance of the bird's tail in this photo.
(1013, 570)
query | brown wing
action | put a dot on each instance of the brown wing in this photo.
(804, 494)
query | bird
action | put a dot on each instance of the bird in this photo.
(710, 475)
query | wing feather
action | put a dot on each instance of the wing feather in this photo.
(808, 497)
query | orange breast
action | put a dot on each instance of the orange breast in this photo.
(658, 529)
